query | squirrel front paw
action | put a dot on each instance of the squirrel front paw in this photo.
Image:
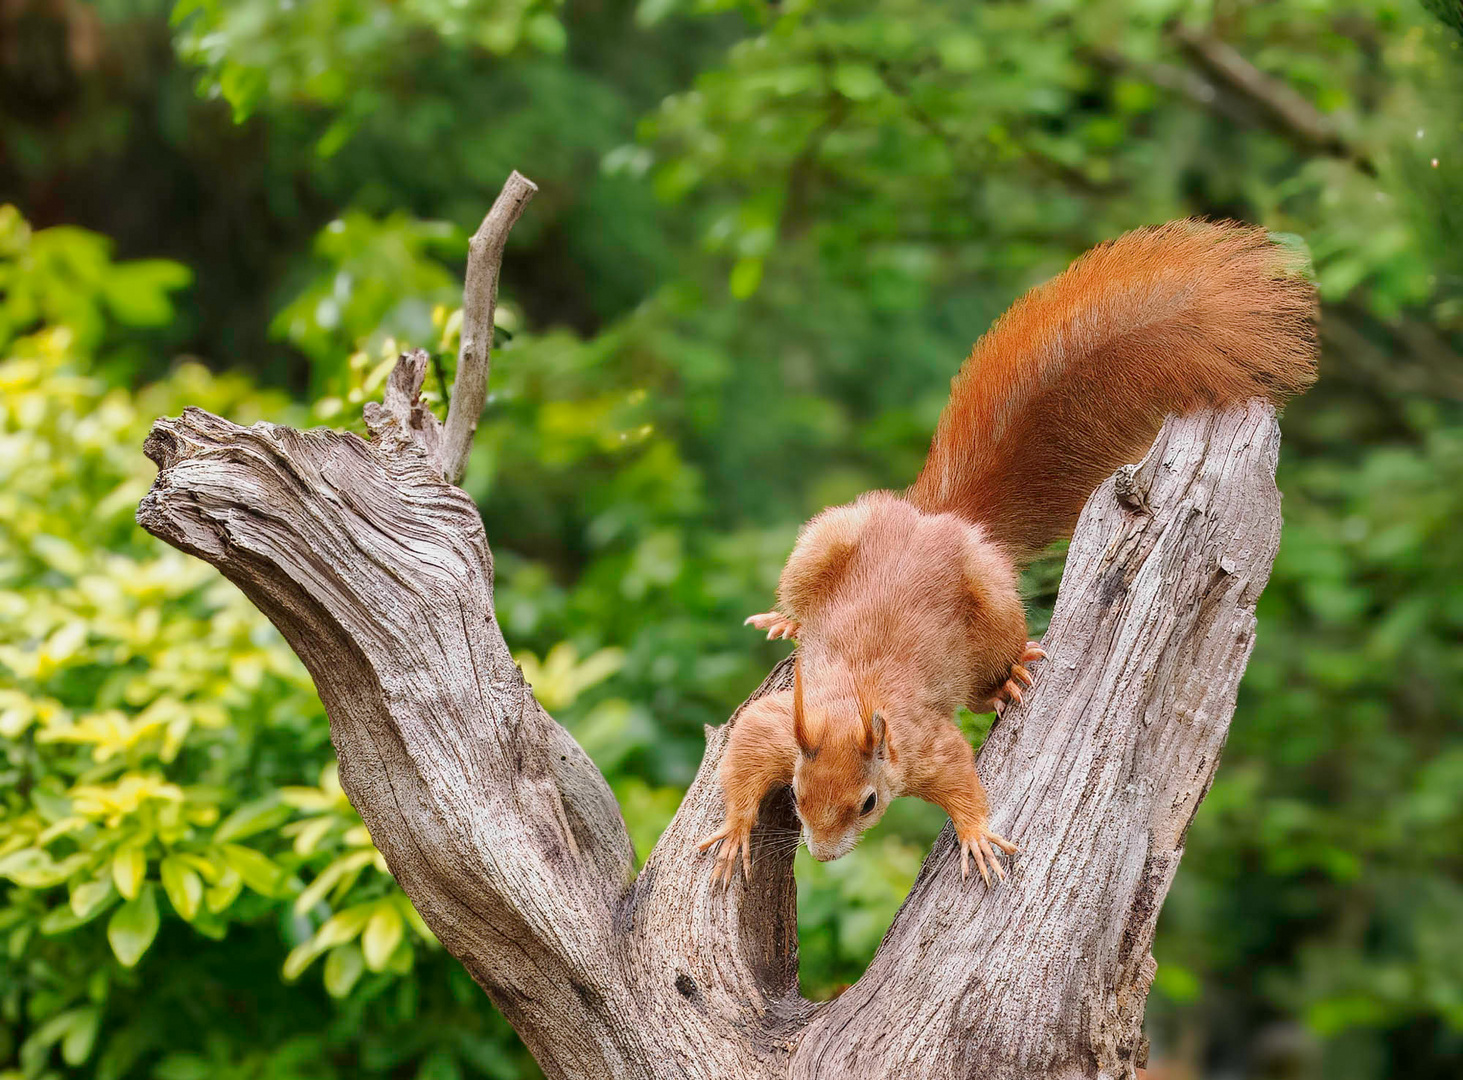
(728, 841)
(1020, 679)
(977, 841)
(775, 623)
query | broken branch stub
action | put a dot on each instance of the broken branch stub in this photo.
(479, 304)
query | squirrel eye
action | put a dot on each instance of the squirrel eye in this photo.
(869, 803)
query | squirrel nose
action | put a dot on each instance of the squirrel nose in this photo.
(820, 851)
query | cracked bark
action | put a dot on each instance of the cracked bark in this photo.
(509, 842)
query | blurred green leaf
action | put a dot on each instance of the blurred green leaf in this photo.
(382, 935)
(133, 926)
(343, 966)
(183, 886)
(254, 868)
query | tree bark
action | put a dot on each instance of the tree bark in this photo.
(509, 842)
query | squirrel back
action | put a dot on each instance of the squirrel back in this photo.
(1077, 377)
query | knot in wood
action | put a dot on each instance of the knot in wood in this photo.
(1131, 489)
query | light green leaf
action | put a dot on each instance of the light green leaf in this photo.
(212, 870)
(1177, 983)
(342, 968)
(746, 275)
(415, 920)
(36, 1049)
(81, 1035)
(300, 957)
(253, 817)
(33, 868)
(129, 869)
(311, 832)
(210, 926)
(857, 81)
(382, 934)
(258, 872)
(183, 886)
(52, 807)
(402, 958)
(961, 52)
(137, 292)
(221, 896)
(343, 926)
(60, 920)
(133, 926)
(325, 881)
(88, 898)
(313, 800)
(18, 940)
(545, 32)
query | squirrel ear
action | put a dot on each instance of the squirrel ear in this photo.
(800, 729)
(876, 733)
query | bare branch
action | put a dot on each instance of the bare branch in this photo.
(1233, 88)
(1278, 103)
(402, 415)
(1180, 80)
(479, 300)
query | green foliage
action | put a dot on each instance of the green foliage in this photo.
(65, 276)
(1344, 783)
(766, 235)
(1450, 11)
(349, 290)
(155, 733)
(293, 54)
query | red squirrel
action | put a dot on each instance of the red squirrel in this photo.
(905, 606)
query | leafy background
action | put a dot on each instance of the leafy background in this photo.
(766, 236)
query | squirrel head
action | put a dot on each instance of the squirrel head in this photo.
(841, 781)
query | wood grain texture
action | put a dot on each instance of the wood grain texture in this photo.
(509, 842)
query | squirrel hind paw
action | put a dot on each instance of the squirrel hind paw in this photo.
(1020, 680)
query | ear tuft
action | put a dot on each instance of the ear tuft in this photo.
(877, 732)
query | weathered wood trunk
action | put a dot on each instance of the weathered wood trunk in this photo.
(509, 842)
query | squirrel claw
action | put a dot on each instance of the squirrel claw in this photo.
(980, 845)
(728, 841)
(775, 623)
(1010, 692)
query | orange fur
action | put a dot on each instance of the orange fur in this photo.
(907, 606)
(1076, 378)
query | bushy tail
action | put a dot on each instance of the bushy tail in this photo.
(1076, 378)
